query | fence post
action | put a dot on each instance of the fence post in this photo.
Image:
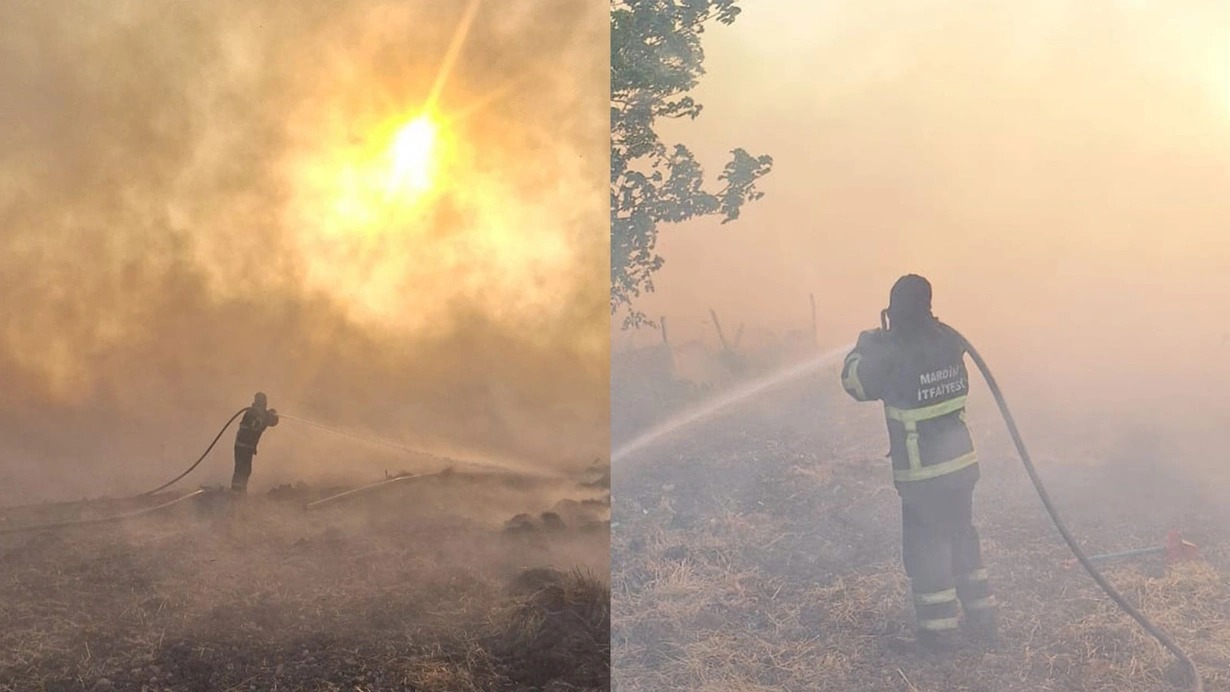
(718, 325)
(815, 336)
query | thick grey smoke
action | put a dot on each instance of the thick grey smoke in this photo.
(184, 220)
(1056, 168)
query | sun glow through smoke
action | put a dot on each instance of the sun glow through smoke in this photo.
(420, 208)
(413, 150)
(368, 183)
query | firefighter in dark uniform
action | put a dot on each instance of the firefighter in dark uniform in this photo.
(255, 420)
(915, 365)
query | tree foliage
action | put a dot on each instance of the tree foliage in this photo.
(656, 59)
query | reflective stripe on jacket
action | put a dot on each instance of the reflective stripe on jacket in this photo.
(922, 381)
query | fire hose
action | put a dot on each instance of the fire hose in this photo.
(1152, 629)
(197, 463)
(100, 520)
(147, 510)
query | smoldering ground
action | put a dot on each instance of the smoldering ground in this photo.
(1056, 168)
(188, 217)
(393, 591)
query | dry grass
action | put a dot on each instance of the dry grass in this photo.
(557, 631)
(264, 596)
(761, 553)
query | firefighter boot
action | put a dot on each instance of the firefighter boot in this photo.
(936, 643)
(982, 628)
(924, 644)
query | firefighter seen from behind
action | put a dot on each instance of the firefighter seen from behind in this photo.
(255, 420)
(915, 365)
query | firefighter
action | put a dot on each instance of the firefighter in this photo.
(255, 420)
(915, 365)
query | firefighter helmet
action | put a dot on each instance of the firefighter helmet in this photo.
(909, 301)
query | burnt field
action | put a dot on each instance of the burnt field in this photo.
(759, 550)
(430, 584)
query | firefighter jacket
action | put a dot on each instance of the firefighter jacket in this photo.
(920, 377)
(253, 425)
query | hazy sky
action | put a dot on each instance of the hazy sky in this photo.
(193, 207)
(1058, 169)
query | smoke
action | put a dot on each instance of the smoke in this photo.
(1057, 169)
(187, 218)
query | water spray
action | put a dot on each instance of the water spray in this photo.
(507, 466)
(737, 395)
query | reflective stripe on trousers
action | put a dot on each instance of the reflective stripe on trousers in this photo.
(974, 591)
(936, 611)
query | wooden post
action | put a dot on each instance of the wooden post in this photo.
(721, 336)
(666, 347)
(815, 336)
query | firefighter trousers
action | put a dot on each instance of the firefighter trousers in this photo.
(243, 468)
(942, 556)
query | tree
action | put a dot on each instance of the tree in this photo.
(656, 59)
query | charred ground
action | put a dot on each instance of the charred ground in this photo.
(400, 590)
(760, 551)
